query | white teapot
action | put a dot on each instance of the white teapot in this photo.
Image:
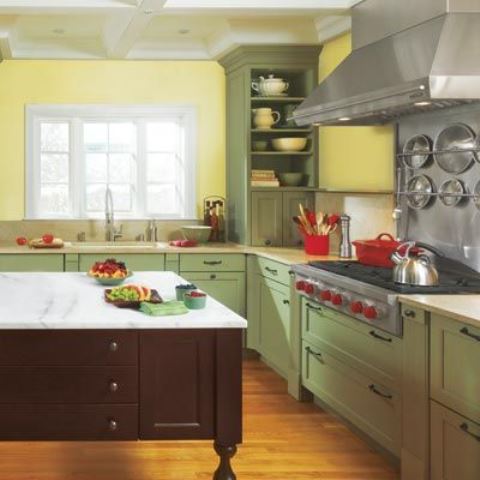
(264, 118)
(270, 87)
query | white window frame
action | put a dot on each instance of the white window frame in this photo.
(35, 114)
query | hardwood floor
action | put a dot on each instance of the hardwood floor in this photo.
(284, 440)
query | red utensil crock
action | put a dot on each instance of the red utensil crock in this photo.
(317, 244)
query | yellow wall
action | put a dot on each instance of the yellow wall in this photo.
(120, 82)
(353, 158)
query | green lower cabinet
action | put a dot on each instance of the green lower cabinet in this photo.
(136, 262)
(34, 262)
(226, 287)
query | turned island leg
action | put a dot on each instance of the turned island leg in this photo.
(224, 470)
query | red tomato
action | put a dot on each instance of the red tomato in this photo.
(47, 238)
(21, 241)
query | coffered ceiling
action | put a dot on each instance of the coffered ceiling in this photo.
(162, 29)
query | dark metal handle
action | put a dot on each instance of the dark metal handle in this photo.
(374, 389)
(318, 309)
(314, 353)
(268, 242)
(291, 272)
(112, 425)
(409, 313)
(464, 427)
(113, 386)
(466, 332)
(271, 270)
(374, 334)
(113, 346)
(213, 276)
(286, 302)
(213, 262)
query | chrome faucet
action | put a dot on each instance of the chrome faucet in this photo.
(151, 231)
(111, 233)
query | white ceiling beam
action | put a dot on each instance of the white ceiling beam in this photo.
(41, 7)
(332, 26)
(261, 5)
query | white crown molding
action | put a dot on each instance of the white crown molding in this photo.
(332, 26)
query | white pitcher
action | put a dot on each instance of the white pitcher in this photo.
(264, 118)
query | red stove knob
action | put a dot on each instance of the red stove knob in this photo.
(326, 295)
(300, 286)
(370, 313)
(337, 299)
(309, 288)
(356, 307)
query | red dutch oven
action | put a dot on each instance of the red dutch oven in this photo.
(377, 252)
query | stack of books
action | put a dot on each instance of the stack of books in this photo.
(264, 178)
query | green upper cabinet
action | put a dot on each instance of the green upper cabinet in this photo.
(291, 200)
(34, 262)
(299, 67)
(137, 262)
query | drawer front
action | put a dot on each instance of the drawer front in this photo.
(24, 385)
(137, 262)
(455, 366)
(197, 262)
(372, 407)
(274, 270)
(35, 262)
(373, 351)
(455, 447)
(69, 422)
(68, 347)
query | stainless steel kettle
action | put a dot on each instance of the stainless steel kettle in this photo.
(410, 269)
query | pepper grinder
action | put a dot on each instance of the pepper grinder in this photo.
(345, 245)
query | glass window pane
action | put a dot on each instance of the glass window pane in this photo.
(163, 136)
(162, 199)
(54, 168)
(54, 199)
(95, 198)
(161, 167)
(96, 167)
(122, 137)
(95, 137)
(55, 137)
(122, 198)
(121, 168)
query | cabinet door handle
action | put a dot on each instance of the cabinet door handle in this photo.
(213, 276)
(409, 313)
(464, 427)
(286, 302)
(212, 262)
(374, 389)
(268, 242)
(466, 332)
(374, 334)
(313, 307)
(113, 386)
(112, 425)
(271, 270)
(113, 347)
(314, 353)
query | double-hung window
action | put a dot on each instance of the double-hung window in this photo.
(144, 155)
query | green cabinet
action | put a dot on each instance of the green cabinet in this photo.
(267, 219)
(290, 209)
(32, 262)
(137, 262)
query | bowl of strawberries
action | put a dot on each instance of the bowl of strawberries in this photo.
(110, 272)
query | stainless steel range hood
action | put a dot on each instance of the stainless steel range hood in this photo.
(408, 56)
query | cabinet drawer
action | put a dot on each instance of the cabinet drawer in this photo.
(34, 262)
(22, 385)
(274, 270)
(212, 262)
(65, 348)
(69, 422)
(137, 262)
(455, 446)
(455, 366)
(370, 350)
(372, 407)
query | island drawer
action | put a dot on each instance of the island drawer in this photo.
(24, 385)
(68, 347)
(212, 262)
(69, 422)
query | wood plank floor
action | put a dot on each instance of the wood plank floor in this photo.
(284, 440)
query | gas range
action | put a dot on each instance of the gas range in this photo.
(369, 293)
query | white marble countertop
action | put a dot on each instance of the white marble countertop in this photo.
(75, 301)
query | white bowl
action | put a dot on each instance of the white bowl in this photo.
(289, 144)
(198, 233)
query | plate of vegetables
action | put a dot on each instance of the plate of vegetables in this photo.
(131, 296)
(110, 272)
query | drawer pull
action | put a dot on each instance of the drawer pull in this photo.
(113, 346)
(464, 427)
(213, 276)
(374, 334)
(271, 270)
(268, 242)
(314, 353)
(466, 332)
(374, 389)
(112, 425)
(286, 302)
(312, 307)
(212, 262)
(113, 386)
(291, 272)
(409, 313)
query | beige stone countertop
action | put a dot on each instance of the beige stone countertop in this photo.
(288, 256)
(464, 308)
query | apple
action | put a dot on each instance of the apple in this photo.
(21, 241)
(47, 238)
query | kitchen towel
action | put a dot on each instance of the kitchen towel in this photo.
(172, 307)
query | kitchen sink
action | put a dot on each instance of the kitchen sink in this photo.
(113, 245)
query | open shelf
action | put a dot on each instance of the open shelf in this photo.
(283, 189)
(281, 130)
(278, 99)
(290, 154)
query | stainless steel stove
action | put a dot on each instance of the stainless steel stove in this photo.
(369, 293)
